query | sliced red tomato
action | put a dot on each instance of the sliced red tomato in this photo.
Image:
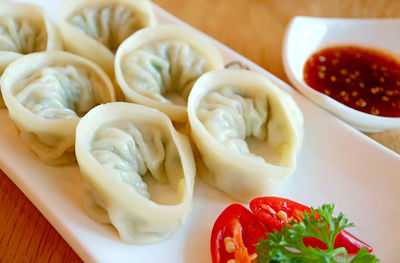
(234, 235)
(275, 212)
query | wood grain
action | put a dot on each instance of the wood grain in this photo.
(253, 28)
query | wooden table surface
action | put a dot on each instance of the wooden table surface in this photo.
(253, 28)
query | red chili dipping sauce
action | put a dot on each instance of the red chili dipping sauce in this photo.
(364, 79)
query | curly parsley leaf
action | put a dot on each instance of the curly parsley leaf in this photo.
(287, 246)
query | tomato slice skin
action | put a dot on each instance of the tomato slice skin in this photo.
(266, 210)
(234, 219)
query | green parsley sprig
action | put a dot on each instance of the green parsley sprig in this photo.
(287, 246)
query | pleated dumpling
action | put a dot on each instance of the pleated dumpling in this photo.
(247, 131)
(24, 29)
(157, 67)
(137, 171)
(95, 28)
(46, 93)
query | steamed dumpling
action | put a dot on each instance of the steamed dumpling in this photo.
(137, 171)
(231, 118)
(113, 23)
(46, 94)
(57, 92)
(24, 29)
(5, 59)
(247, 131)
(21, 35)
(167, 67)
(95, 28)
(158, 66)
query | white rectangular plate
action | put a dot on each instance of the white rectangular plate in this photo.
(337, 164)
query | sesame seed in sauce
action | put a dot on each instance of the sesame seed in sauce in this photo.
(374, 111)
(389, 92)
(374, 90)
(361, 103)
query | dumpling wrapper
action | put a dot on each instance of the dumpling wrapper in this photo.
(137, 171)
(247, 130)
(95, 28)
(6, 58)
(157, 67)
(24, 29)
(46, 94)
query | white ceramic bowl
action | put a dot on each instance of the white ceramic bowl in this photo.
(306, 35)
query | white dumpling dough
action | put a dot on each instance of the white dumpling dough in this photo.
(160, 70)
(109, 24)
(137, 171)
(247, 131)
(95, 28)
(231, 118)
(158, 66)
(57, 92)
(6, 58)
(24, 28)
(21, 35)
(46, 93)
